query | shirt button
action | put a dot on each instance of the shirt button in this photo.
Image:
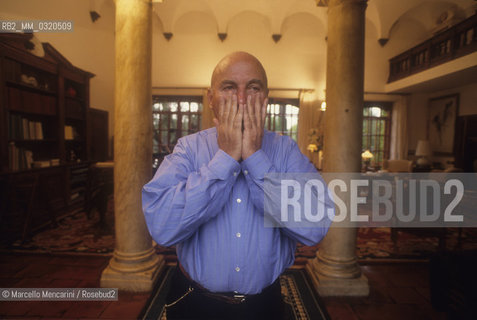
(235, 173)
(238, 234)
(237, 269)
(239, 200)
(245, 172)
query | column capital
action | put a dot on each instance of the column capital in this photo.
(321, 3)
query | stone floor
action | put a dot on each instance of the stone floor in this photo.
(398, 290)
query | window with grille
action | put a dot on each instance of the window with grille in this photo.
(174, 117)
(377, 130)
(282, 117)
(177, 116)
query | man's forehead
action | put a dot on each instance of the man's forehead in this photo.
(239, 62)
(226, 80)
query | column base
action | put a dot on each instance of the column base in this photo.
(328, 287)
(132, 272)
(337, 286)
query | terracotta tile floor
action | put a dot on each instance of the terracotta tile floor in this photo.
(43, 271)
(398, 291)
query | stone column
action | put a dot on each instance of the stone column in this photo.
(134, 265)
(335, 271)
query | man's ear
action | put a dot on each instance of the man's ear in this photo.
(209, 97)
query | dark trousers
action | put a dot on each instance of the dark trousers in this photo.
(198, 304)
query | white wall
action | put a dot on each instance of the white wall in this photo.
(418, 116)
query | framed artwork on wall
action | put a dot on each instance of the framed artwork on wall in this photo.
(442, 116)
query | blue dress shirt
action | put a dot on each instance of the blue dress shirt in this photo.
(211, 207)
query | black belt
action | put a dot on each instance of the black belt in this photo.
(227, 297)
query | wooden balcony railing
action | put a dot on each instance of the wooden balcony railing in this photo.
(450, 44)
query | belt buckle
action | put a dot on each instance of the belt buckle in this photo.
(239, 297)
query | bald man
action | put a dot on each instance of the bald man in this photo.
(207, 199)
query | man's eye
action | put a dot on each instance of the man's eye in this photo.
(227, 88)
(255, 88)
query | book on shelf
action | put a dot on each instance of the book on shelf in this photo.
(32, 130)
(39, 131)
(22, 159)
(69, 133)
(15, 128)
(41, 164)
(19, 158)
(23, 128)
(29, 159)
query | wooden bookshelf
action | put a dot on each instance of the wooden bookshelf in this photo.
(44, 140)
(40, 97)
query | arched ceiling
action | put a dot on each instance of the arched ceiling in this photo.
(383, 14)
(294, 31)
(224, 11)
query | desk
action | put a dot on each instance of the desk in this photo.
(31, 199)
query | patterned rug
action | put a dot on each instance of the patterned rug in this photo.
(376, 244)
(78, 233)
(302, 301)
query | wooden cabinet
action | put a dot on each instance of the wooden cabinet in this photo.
(466, 143)
(44, 122)
(98, 130)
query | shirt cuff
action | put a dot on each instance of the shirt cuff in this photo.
(223, 165)
(257, 165)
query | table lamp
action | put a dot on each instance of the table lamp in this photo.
(366, 156)
(423, 151)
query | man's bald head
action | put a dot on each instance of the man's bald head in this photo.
(239, 73)
(234, 58)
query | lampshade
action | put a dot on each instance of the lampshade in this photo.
(323, 106)
(312, 147)
(366, 155)
(423, 148)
